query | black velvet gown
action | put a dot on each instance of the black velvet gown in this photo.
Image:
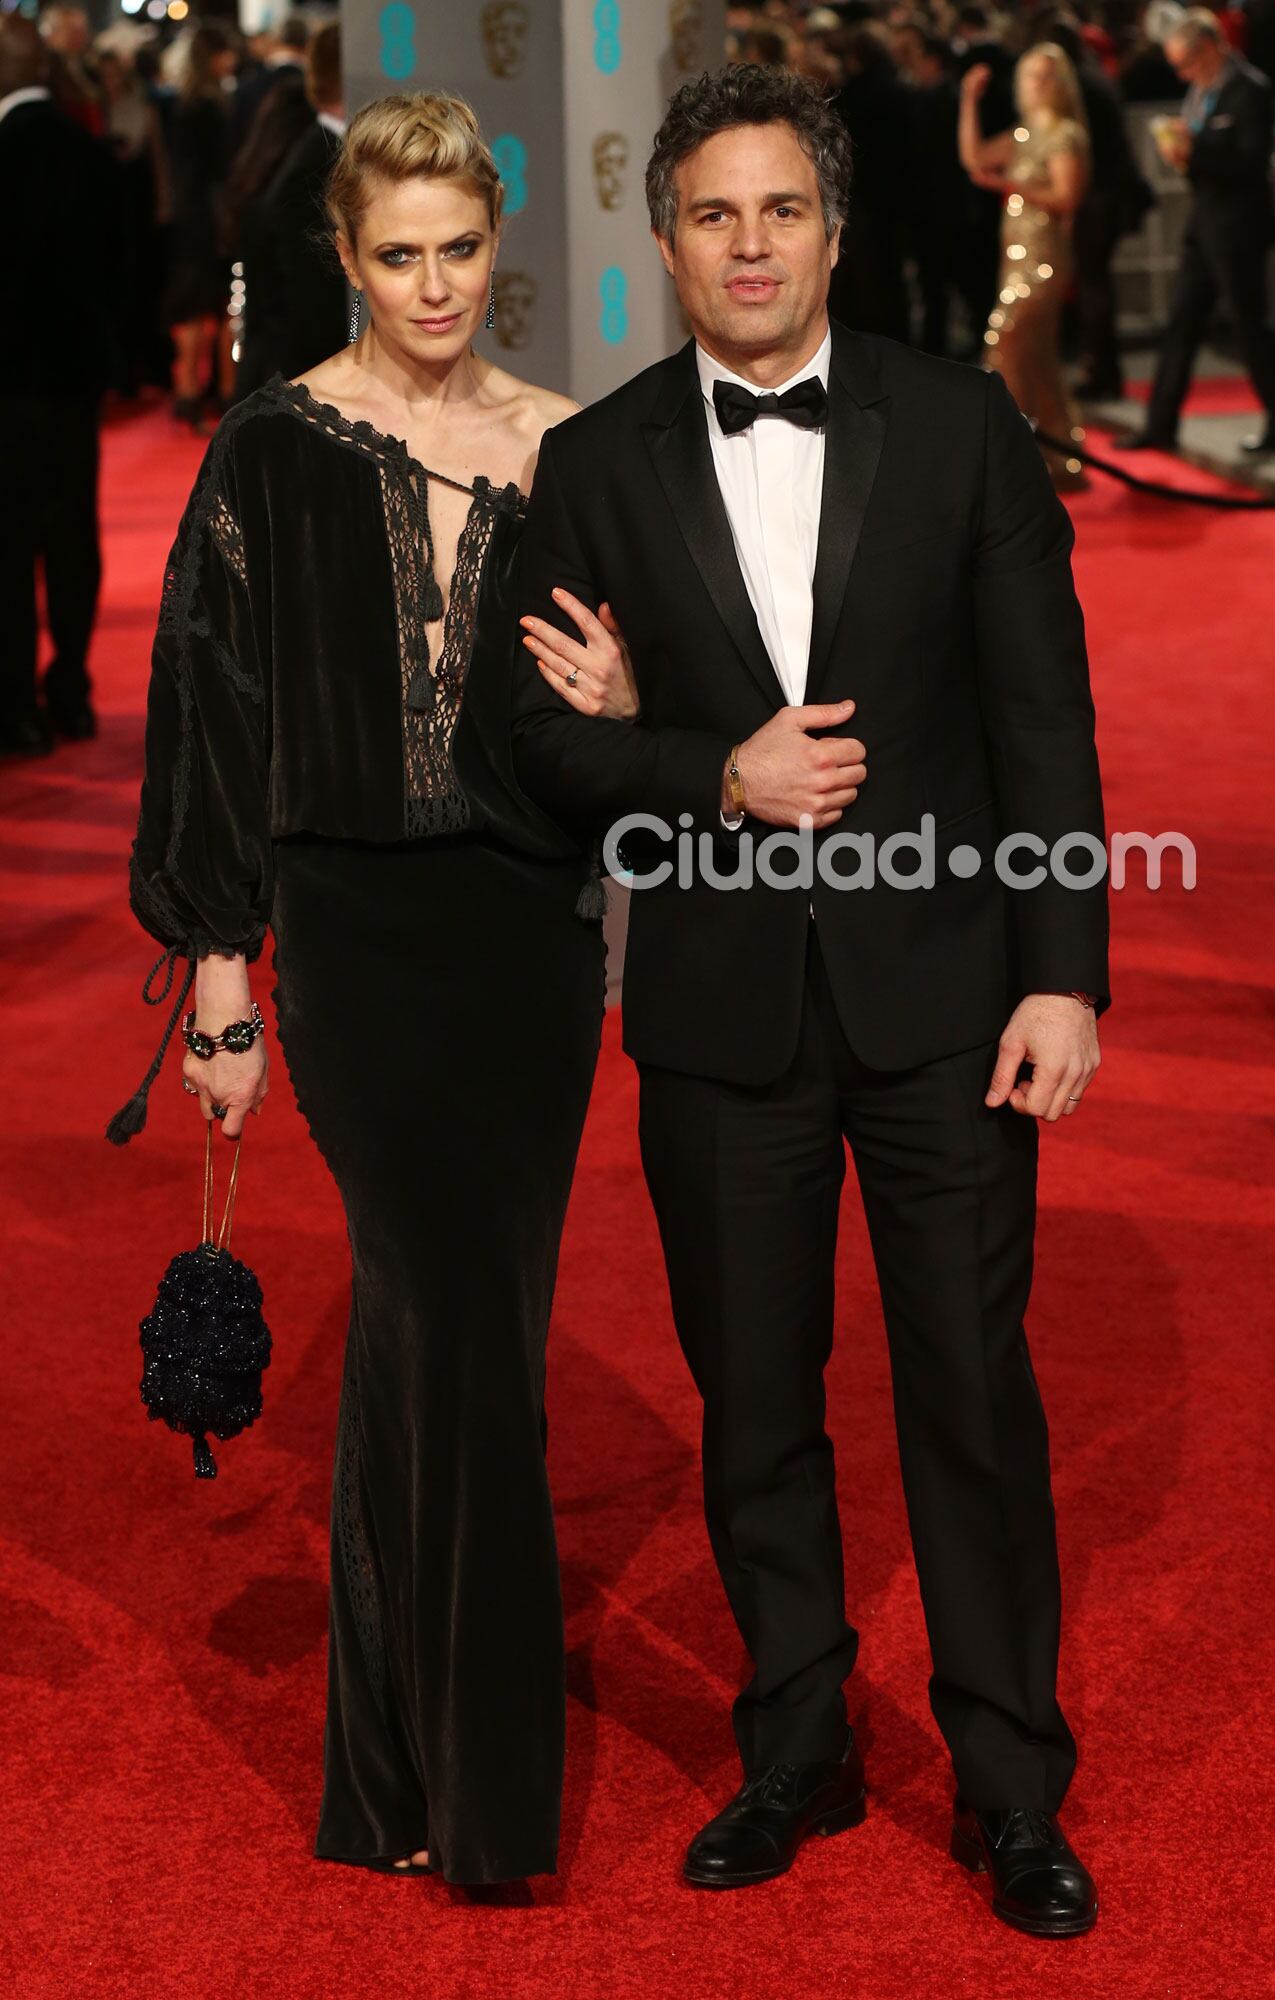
(439, 995)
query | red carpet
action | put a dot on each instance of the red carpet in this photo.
(162, 1641)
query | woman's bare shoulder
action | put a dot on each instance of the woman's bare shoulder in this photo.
(527, 407)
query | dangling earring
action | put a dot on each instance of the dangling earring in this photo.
(354, 316)
(491, 304)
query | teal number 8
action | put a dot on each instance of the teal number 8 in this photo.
(613, 289)
(510, 156)
(607, 49)
(398, 46)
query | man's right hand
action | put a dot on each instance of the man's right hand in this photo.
(788, 776)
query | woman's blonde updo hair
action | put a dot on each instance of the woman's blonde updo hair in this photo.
(427, 135)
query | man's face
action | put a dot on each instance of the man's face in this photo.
(68, 31)
(749, 255)
(1196, 64)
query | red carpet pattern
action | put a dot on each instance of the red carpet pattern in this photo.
(162, 1641)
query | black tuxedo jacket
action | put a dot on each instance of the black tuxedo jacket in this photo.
(59, 188)
(296, 300)
(943, 604)
(1230, 162)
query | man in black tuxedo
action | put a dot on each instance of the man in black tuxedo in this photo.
(54, 351)
(801, 529)
(1222, 142)
(297, 311)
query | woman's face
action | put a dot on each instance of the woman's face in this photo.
(1037, 84)
(423, 262)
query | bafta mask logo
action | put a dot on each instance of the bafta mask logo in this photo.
(686, 32)
(610, 163)
(504, 30)
(515, 308)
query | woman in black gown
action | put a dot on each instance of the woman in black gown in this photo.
(328, 752)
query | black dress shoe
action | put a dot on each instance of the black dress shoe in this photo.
(758, 1834)
(26, 736)
(1038, 1884)
(1260, 445)
(77, 724)
(1143, 441)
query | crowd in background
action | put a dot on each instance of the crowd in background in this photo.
(202, 134)
(994, 182)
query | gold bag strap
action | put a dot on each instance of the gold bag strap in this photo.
(227, 1220)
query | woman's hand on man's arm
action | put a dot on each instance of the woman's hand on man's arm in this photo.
(594, 673)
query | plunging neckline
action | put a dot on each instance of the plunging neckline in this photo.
(358, 432)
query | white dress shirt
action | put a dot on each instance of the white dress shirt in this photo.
(771, 480)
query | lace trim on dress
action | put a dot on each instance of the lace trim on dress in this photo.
(430, 690)
(351, 1532)
(228, 536)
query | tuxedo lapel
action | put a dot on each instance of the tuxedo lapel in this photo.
(677, 438)
(857, 416)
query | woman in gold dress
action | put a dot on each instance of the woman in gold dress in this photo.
(1041, 166)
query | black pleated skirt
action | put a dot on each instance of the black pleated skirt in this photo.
(440, 1009)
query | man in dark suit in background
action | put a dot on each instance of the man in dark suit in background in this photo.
(1114, 203)
(800, 528)
(1223, 144)
(296, 297)
(60, 224)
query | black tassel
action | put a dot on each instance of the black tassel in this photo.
(420, 693)
(591, 903)
(129, 1120)
(433, 599)
(205, 1463)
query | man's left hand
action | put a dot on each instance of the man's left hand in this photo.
(1058, 1036)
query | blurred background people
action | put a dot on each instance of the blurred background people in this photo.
(197, 293)
(950, 222)
(978, 42)
(270, 59)
(1222, 143)
(139, 354)
(1116, 198)
(59, 239)
(73, 75)
(868, 291)
(1041, 167)
(295, 311)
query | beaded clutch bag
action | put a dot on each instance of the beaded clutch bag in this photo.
(204, 1341)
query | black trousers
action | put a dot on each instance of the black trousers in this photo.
(48, 517)
(1219, 263)
(1096, 240)
(746, 1184)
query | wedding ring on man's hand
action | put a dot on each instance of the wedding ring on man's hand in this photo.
(1075, 1100)
(573, 677)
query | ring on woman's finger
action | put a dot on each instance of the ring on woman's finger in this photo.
(220, 1110)
(573, 677)
(1076, 1099)
(189, 1087)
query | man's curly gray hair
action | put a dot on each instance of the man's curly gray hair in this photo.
(749, 94)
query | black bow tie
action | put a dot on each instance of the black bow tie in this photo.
(805, 404)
